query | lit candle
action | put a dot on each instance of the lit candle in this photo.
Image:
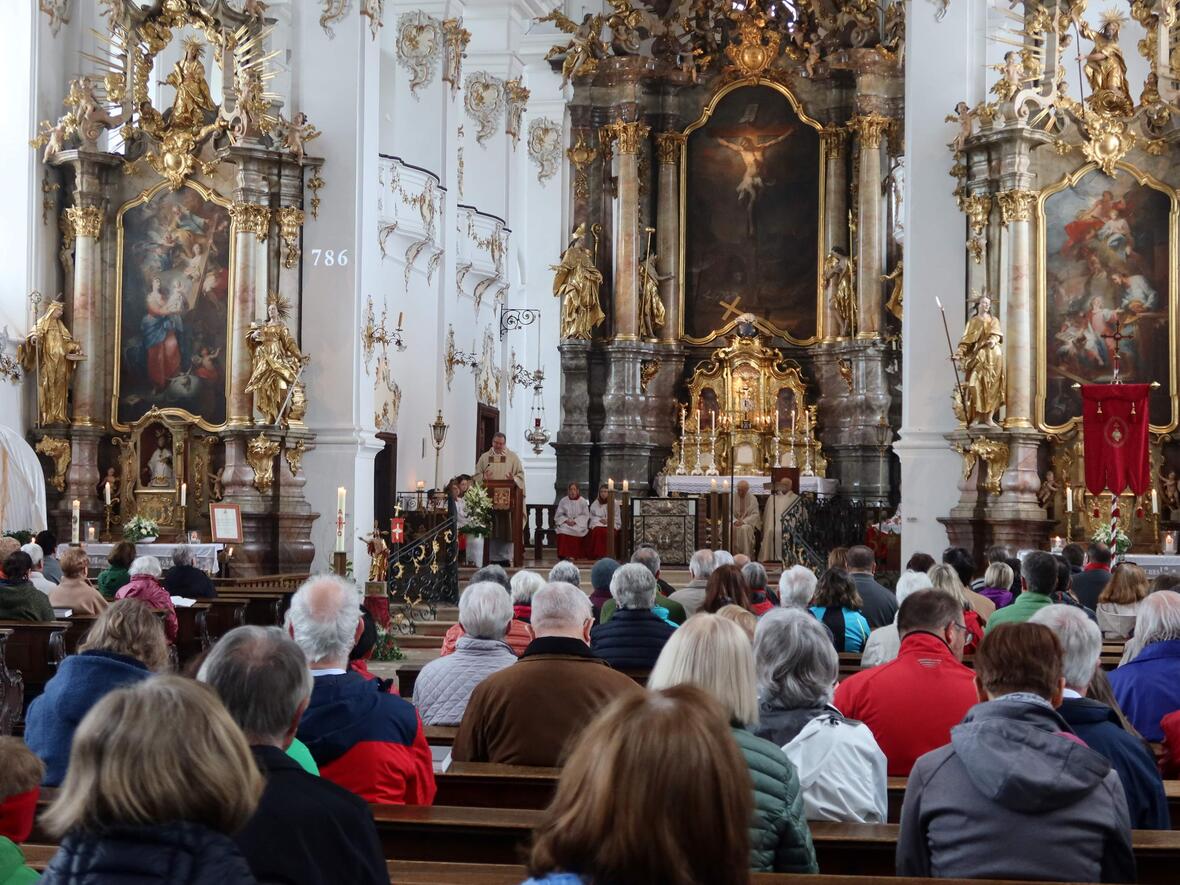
(610, 485)
(107, 493)
(400, 317)
(183, 493)
(713, 422)
(713, 484)
(89, 533)
(626, 486)
(1155, 502)
(341, 499)
(75, 521)
(725, 485)
(792, 425)
(421, 485)
(1068, 500)
(698, 420)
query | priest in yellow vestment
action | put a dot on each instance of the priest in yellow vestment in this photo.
(747, 518)
(500, 463)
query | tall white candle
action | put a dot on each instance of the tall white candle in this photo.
(626, 486)
(341, 500)
(107, 493)
(610, 485)
(183, 493)
(75, 521)
(1155, 502)
(1068, 500)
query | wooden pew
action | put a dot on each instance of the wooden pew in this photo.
(34, 649)
(192, 631)
(264, 608)
(12, 689)
(225, 613)
(500, 836)
(440, 735)
(79, 626)
(482, 785)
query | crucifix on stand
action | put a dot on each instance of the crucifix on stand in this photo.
(1118, 336)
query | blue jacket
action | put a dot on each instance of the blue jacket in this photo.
(556, 879)
(856, 628)
(1099, 727)
(631, 640)
(81, 681)
(1148, 688)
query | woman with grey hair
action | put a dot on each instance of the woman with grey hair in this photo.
(185, 579)
(1148, 687)
(524, 584)
(796, 586)
(634, 637)
(760, 599)
(145, 585)
(841, 769)
(444, 686)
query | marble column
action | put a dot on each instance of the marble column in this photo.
(581, 155)
(835, 148)
(870, 257)
(1016, 214)
(628, 138)
(669, 146)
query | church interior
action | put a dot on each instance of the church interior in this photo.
(867, 295)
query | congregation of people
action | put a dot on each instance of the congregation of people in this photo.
(713, 719)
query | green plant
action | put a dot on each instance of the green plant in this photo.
(479, 511)
(139, 527)
(22, 535)
(386, 648)
(1112, 535)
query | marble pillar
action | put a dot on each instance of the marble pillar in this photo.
(628, 139)
(669, 146)
(575, 441)
(1016, 214)
(870, 256)
(835, 145)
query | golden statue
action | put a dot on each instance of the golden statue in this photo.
(576, 282)
(193, 101)
(52, 351)
(651, 307)
(894, 304)
(278, 363)
(1105, 68)
(378, 552)
(838, 273)
(980, 354)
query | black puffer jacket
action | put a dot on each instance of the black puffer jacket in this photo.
(176, 853)
(631, 640)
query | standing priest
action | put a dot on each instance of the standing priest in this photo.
(777, 504)
(572, 519)
(500, 463)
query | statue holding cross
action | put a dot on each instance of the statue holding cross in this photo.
(1118, 336)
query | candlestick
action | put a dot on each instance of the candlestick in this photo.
(183, 493)
(107, 493)
(75, 521)
(341, 499)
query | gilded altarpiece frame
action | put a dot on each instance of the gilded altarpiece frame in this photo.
(756, 132)
(173, 306)
(1107, 253)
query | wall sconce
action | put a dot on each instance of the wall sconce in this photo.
(884, 435)
(374, 333)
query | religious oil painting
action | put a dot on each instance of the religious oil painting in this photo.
(174, 286)
(1107, 248)
(752, 205)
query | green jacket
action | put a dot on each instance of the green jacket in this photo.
(13, 869)
(675, 610)
(780, 840)
(299, 752)
(24, 602)
(112, 578)
(1026, 605)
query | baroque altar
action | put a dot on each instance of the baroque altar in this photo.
(176, 378)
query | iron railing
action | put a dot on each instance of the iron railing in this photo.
(423, 575)
(812, 527)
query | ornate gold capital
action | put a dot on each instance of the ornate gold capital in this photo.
(869, 128)
(290, 219)
(629, 136)
(251, 218)
(260, 455)
(977, 208)
(834, 140)
(85, 221)
(1016, 205)
(668, 146)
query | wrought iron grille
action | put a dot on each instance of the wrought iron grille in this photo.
(422, 576)
(814, 526)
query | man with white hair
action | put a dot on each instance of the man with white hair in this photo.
(647, 556)
(306, 828)
(692, 595)
(37, 575)
(747, 519)
(796, 586)
(1097, 724)
(883, 643)
(185, 579)
(635, 635)
(444, 686)
(526, 714)
(364, 740)
(565, 572)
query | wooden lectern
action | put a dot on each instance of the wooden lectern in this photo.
(507, 500)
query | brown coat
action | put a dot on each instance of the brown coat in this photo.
(527, 713)
(77, 594)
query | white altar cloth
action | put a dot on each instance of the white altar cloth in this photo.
(1155, 564)
(759, 485)
(204, 555)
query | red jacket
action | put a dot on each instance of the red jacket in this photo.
(150, 590)
(910, 703)
(518, 638)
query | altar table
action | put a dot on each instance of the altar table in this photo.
(759, 485)
(204, 555)
(1155, 564)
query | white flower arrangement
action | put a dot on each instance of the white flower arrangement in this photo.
(139, 527)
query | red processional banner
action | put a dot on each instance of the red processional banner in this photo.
(1114, 417)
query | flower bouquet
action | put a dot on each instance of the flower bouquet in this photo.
(1113, 537)
(140, 528)
(478, 507)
